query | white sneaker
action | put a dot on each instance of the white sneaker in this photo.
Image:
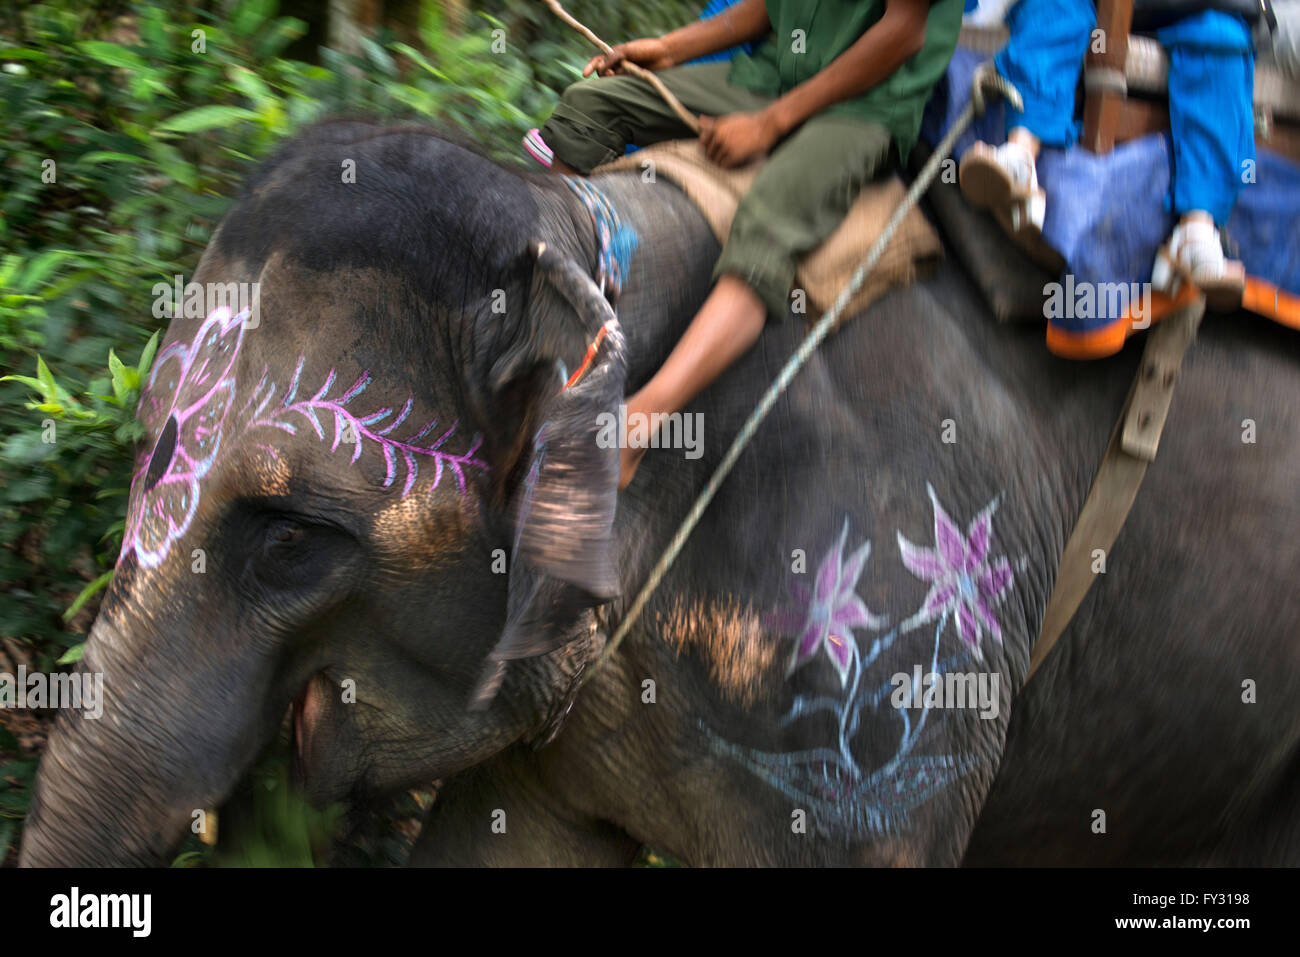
(1194, 253)
(1004, 180)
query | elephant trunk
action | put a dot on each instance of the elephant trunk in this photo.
(121, 790)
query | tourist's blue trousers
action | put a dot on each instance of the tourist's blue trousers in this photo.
(1211, 81)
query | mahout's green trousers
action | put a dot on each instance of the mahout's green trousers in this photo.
(798, 199)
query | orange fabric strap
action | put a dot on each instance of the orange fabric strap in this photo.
(1267, 300)
(592, 349)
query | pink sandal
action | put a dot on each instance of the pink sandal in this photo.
(536, 147)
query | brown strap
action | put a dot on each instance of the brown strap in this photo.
(1132, 446)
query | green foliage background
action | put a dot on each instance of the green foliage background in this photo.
(121, 145)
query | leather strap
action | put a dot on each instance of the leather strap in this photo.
(1132, 447)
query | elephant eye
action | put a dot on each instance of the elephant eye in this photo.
(294, 554)
(284, 532)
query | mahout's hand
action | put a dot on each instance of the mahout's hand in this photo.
(737, 138)
(651, 53)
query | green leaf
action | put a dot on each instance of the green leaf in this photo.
(48, 388)
(118, 372)
(206, 118)
(73, 279)
(418, 57)
(171, 162)
(146, 357)
(26, 380)
(41, 267)
(250, 84)
(23, 53)
(153, 28)
(9, 266)
(112, 54)
(432, 28)
(72, 655)
(86, 594)
(251, 14)
(25, 448)
(108, 156)
(283, 32)
(378, 57)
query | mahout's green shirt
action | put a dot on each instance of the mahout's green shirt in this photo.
(808, 34)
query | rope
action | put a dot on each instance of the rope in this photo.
(796, 362)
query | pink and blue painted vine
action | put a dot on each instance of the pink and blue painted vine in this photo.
(966, 584)
(187, 403)
(355, 430)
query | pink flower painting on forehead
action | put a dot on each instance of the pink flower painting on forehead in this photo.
(964, 581)
(187, 403)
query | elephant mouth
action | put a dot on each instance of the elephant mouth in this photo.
(310, 712)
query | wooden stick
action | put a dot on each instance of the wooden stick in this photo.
(630, 68)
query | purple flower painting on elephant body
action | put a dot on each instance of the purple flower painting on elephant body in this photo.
(964, 581)
(832, 609)
(845, 796)
(187, 403)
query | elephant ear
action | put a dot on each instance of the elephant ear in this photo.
(563, 556)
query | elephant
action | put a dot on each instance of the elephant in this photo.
(383, 512)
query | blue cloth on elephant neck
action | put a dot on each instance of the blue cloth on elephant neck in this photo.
(615, 241)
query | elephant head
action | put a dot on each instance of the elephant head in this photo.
(361, 507)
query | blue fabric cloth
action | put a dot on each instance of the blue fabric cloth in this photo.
(1107, 215)
(1042, 59)
(713, 8)
(1211, 114)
